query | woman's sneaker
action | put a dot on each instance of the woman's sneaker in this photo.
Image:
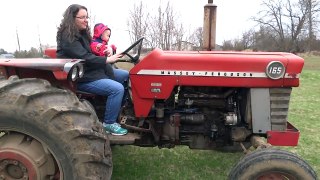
(115, 129)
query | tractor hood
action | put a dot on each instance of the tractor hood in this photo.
(156, 75)
(221, 68)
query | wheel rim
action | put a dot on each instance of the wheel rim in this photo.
(275, 175)
(23, 157)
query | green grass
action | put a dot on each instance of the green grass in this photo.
(304, 112)
(131, 162)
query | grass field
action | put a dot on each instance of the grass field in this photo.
(132, 162)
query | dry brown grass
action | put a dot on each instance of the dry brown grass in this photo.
(124, 65)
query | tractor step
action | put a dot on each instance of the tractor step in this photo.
(129, 138)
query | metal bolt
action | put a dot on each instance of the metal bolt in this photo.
(5, 162)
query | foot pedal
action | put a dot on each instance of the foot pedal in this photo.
(129, 138)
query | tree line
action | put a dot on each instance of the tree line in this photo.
(31, 53)
(281, 25)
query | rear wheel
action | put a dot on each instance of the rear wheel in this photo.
(266, 164)
(47, 133)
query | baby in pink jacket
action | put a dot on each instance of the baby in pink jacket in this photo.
(99, 44)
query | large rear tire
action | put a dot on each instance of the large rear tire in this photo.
(271, 163)
(47, 133)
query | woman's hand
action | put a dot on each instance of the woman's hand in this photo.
(114, 58)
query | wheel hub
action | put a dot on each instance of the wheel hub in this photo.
(24, 158)
(14, 165)
(276, 176)
(17, 171)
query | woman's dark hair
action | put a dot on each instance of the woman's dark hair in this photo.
(68, 26)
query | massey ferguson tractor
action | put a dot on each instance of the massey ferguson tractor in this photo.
(201, 99)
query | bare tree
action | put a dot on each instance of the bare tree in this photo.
(196, 38)
(313, 9)
(163, 27)
(160, 30)
(18, 39)
(287, 19)
(179, 38)
(227, 45)
(247, 41)
(170, 27)
(265, 39)
(137, 22)
(39, 38)
(92, 19)
(2, 51)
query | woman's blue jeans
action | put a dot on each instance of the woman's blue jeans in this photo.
(113, 89)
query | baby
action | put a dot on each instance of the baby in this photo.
(100, 39)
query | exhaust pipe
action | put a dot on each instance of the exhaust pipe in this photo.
(209, 26)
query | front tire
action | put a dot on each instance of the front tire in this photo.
(47, 133)
(272, 164)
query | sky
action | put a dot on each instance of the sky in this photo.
(36, 21)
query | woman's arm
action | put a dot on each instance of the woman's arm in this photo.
(77, 50)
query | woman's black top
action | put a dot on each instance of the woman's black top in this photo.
(95, 67)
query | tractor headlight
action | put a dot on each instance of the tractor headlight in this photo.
(75, 69)
(80, 70)
(73, 73)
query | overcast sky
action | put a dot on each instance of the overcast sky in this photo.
(32, 18)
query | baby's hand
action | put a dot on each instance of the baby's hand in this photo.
(98, 46)
(108, 51)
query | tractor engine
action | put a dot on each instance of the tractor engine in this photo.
(202, 117)
(211, 117)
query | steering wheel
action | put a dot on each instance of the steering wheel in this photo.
(135, 58)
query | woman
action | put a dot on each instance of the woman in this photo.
(73, 41)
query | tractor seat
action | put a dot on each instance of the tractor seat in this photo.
(82, 94)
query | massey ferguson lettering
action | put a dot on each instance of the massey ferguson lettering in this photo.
(201, 73)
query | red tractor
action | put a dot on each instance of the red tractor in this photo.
(202, 99)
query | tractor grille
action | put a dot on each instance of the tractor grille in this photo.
(279, 106)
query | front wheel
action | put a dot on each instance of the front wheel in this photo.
(266, 164)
